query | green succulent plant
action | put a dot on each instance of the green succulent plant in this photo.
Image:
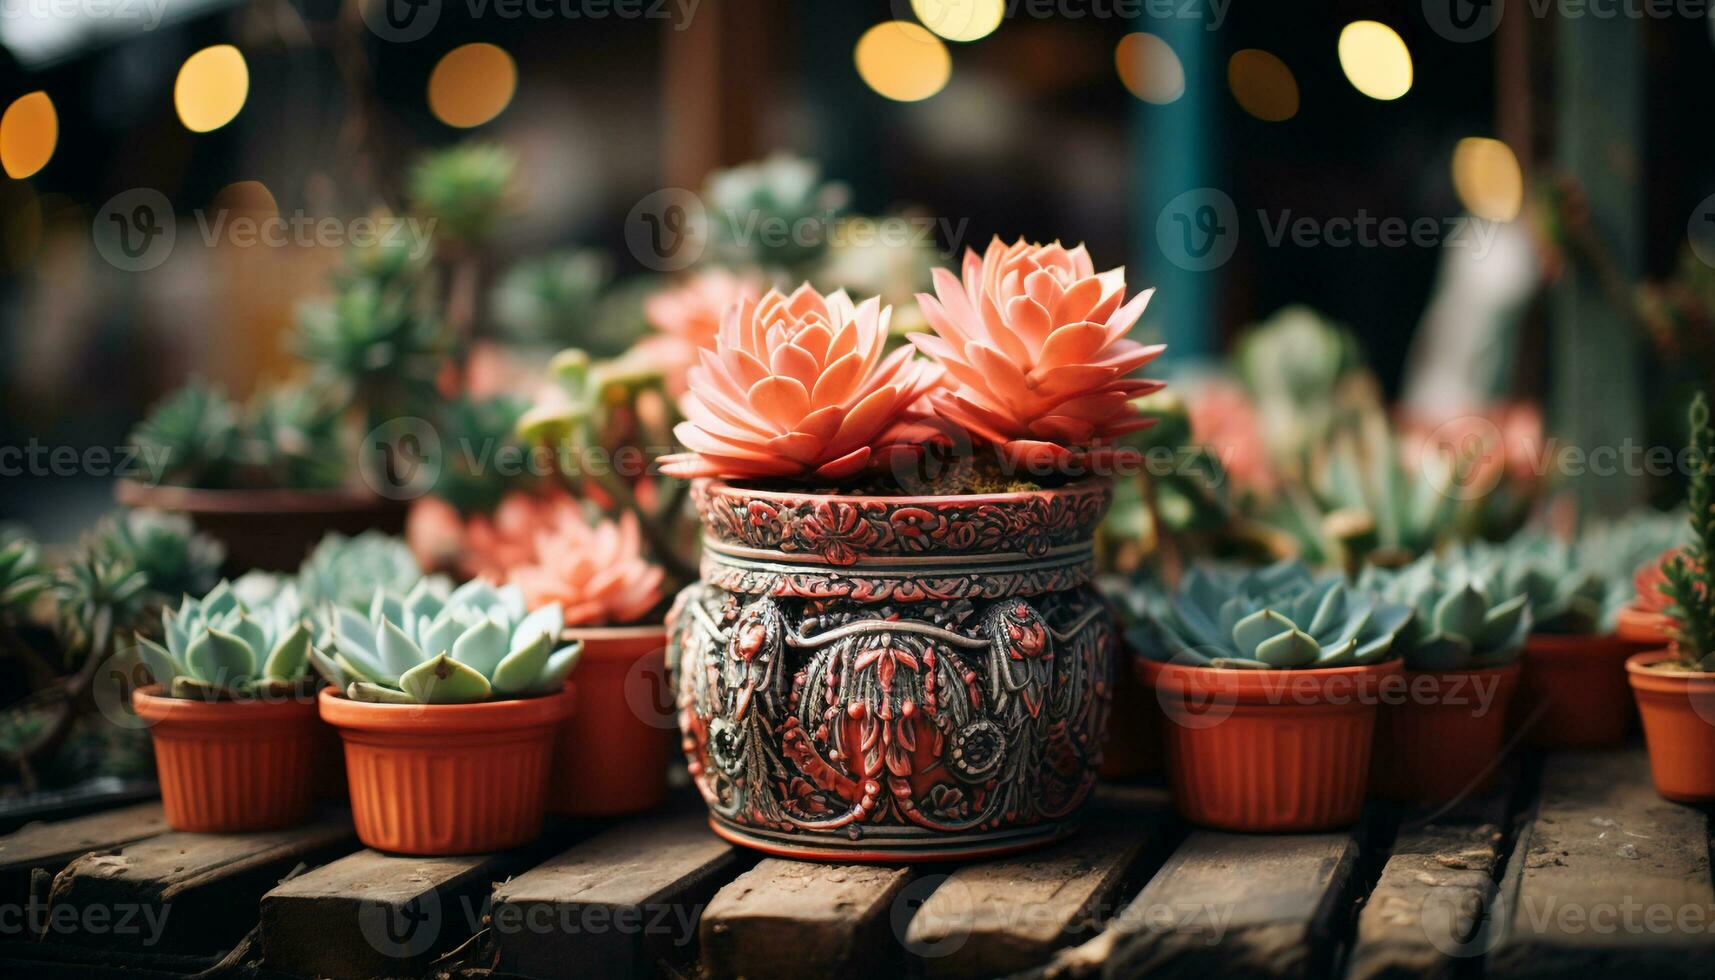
(165, 547)
(220, 647)
(553, 299)
(774, 212)
(346, 571)
(1360, 504)
(1293, 363)
(477, 644)
(293, 437)
(99, 595)
(189, 437)
(1616, 550)
(22, 577)
(1566, 595)
(1460, 620)
(476, 433)
(1280, 617)
(464, 188)
(381, 344)
(1689, 573)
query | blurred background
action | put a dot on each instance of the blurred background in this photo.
(1501, 209)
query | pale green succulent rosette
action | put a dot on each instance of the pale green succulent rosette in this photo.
(220, 647)
(1566, 595)
(347, 571)
(1460, 620)
(1279, 617)
(477, 644)
(1616, 550)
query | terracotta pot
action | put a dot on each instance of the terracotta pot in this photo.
(611, 757)
(1133, 748)
(1640, 627)
(1269, 750)
(1679, 727)
(448, 778)
(229, 766)
(1442, 738)
(271, 530)
(894, 678)
(1573, 694)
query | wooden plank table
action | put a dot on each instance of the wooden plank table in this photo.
(1569, 865)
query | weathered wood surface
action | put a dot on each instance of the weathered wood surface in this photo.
(52, 846)
(616, 905)
(1230, 905)
(182, 892)
(1424, 917)
(371, 914)
(1612, 880)
(789, 919)
(1006, 916)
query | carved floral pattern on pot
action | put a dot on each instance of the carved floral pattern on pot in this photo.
(939, 709)
(841, 530)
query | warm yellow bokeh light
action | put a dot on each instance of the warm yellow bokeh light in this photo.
(902, 61)
(250, 197)
(1487, 176)
(212, 87)
(1262, 85)
(960, 20)
(1149, 68)
(1375, 60)
(29, 131)
(471, 84)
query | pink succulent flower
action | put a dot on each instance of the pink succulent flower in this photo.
(483, 545)
(797, 387)
(688, 318)
(1034, 341)
(595, 571)
(1224, 419)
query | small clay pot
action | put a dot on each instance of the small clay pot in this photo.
(611, 756)
(1442, 739)
(1678, 712)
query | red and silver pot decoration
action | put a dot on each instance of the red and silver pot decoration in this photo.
(894, 678)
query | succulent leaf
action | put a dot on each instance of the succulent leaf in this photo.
(444, 680)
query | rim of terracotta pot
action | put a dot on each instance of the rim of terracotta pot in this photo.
(1658, 682)
(1589, 645)
(1638, 625)
(430, 720)
(1265, 686)
(153, 706)
(605, 643)
(164, 496)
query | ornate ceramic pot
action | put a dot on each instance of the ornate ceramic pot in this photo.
(894, 678)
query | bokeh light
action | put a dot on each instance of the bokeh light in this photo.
(902, 61)
(1262, 85)
(472, 84)
(1375, 60)
(960, 20)
(211, 88)
(29, 131)
(1487, 177)
(1149, 68)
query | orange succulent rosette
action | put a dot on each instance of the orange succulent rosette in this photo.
(1034, 343)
